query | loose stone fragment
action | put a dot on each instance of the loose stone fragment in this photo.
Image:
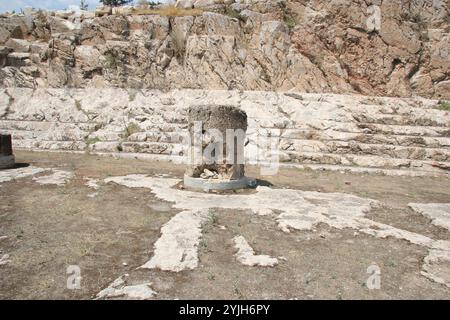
(246, 255)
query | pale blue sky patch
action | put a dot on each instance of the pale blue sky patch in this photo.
(10, 5)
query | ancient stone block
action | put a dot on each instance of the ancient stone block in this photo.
(6, 152)
(215, 124)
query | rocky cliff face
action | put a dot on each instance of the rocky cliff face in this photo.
(395, 48)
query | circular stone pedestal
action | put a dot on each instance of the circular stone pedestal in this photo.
(216, 184)
(6, 156)
(216, 160)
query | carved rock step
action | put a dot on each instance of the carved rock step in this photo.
(26, 125)
(33, 144)
(353, 147)
(429, 131)
(412, 120)
(170, 144)
(390, 130)
(361, 161)
(395, 108)
(384, 171)
(396, 135)
(401, 147)
(334, 135)
(350, 126)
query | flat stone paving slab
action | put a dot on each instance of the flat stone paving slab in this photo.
(134, 234)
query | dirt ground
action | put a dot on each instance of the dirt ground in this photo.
(46, 228)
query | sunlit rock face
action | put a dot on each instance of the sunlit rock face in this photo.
(374, 48)
(318, 131)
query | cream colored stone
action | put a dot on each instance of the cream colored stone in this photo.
(176, 249)
(246, 255)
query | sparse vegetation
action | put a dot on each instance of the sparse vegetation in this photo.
(391, 263)
(178, 44)
(83, 5)
(418, 20)
(78, 105)
(448, 23)
(213, 218)
(234, 14)
(265, 74)
(290, 21)
(237, 291)
(110, 61)
(288, 16)
(169, 11)
(91, 141)
(144, 4)
(115, 3)
(41, 21)
(132, 95)
(131, 129)
(443, 105)
(415, 17)
(203, 245)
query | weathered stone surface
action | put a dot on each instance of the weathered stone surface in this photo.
(439, 213)
(177, 248)
(4, 35)
(18, 45)
(6, 152)
(57, 177)
(246, 255)
(119, 289)
(4, 51)
(17, 26)
(59, 25)
(5, 145)
(19, 173)
(310, 46)
(221, 119)
(122, 10)
(318, 131)
(185, 4)
(102, 11)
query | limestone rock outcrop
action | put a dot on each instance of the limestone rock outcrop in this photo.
(373, 47)
(408, 136)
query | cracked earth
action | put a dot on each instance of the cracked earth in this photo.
(135, 234)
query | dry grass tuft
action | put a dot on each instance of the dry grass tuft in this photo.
(169, 11)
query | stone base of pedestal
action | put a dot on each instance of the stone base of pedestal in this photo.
(7, 162)
(218, 184)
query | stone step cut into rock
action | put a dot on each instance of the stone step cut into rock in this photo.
(6, 153)
(317, 131)
(211, 129)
